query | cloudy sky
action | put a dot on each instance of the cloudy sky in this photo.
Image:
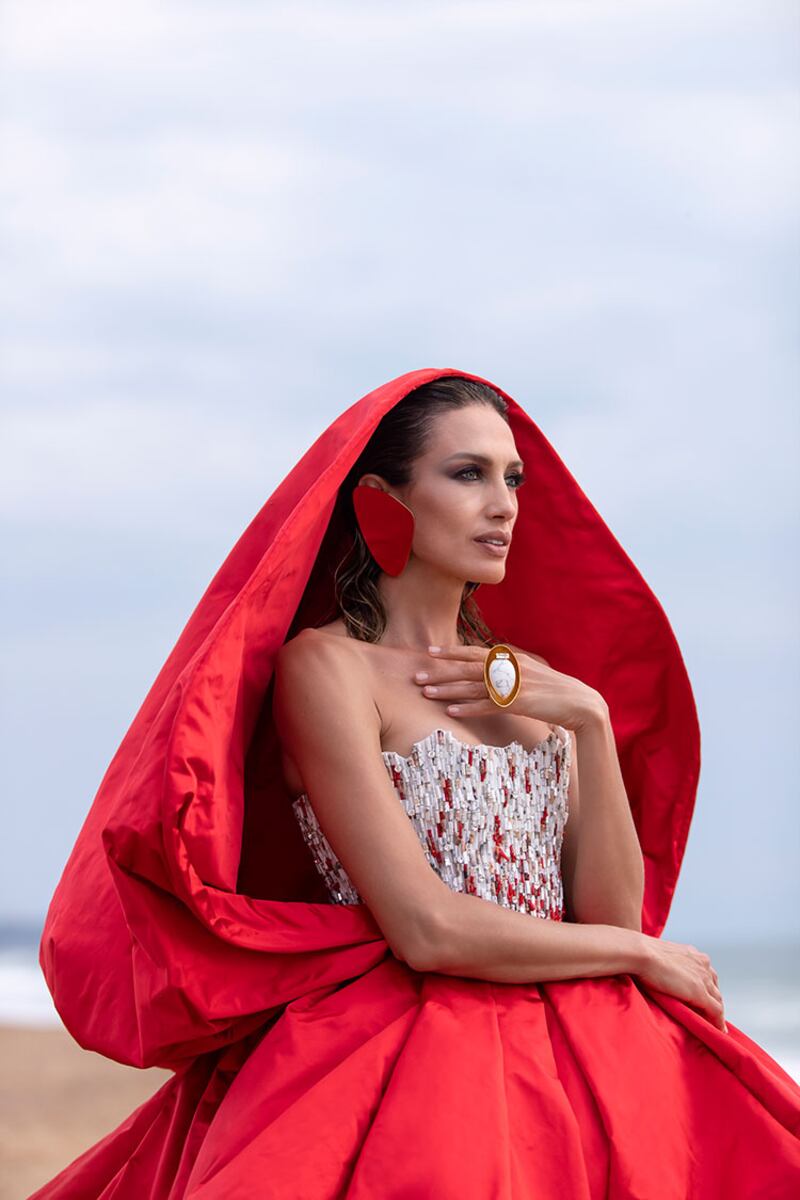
(220, 225)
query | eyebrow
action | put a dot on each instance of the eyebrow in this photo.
(483, 459)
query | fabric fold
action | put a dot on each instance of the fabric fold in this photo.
(189, 929)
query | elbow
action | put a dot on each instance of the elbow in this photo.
(424, 952)
(617, 905)
(629, 922)
(629, 917)
(635, 918)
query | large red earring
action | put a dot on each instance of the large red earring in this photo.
(387, 526)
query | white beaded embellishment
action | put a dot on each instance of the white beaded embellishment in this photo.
(490, 819)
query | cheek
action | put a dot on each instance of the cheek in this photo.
(444, 522)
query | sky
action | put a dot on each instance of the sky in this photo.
(220, 225)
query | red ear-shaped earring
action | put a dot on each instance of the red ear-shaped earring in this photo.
(387, 526)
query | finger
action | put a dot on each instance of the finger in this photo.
(455, 691)
(466, 653)
(717, 1011)
(472, 708)
(448, 672)
(713, 1012)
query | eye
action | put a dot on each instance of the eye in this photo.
(516, 478)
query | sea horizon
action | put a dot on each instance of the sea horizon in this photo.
(759, 980)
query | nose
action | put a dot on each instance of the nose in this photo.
(503, 502)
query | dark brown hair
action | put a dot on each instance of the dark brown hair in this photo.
(398, 439)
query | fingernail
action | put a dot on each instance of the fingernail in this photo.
(434, 649)
(421, 675)
(453, 708)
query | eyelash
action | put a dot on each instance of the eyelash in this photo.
(520, 476)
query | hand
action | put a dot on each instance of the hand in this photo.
(456, 675)
(685, 972)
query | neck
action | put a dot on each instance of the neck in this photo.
(421, 607)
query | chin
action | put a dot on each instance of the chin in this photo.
(487, 573)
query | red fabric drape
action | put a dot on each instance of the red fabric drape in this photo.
(189, 929)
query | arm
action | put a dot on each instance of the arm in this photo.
(602, 867)
(602, 863)
(330, 725)
(478, 938)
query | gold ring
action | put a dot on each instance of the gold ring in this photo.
(502, 675)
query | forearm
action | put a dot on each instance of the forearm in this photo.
(480, 939)
(608, 880)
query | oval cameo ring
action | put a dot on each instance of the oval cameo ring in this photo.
(502, 675)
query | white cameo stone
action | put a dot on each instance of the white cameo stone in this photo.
(502, 676)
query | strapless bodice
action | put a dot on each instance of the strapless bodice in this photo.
(490, 819)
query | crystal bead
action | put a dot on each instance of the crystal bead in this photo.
(490, 819)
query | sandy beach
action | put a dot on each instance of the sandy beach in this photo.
(57, 1100)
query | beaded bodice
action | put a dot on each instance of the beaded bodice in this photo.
(490, 819)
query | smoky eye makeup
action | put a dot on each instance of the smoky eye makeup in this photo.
(519, 477)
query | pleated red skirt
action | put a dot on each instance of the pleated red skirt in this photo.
(400, 1085)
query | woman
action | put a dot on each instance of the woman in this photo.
(402, 942)
(359, 685)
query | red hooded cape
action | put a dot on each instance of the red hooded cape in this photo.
(189, 929)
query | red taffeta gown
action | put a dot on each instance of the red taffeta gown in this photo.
(190, 929)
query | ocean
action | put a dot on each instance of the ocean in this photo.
(760, 985)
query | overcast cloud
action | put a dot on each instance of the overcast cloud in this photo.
(220, 225)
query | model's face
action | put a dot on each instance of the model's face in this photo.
(464, 486)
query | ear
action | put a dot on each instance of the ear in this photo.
(373, 480)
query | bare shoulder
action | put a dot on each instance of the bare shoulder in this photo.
(322, 687)
(322, 645)
(335, 629)
(331, 648)
(315, 634)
